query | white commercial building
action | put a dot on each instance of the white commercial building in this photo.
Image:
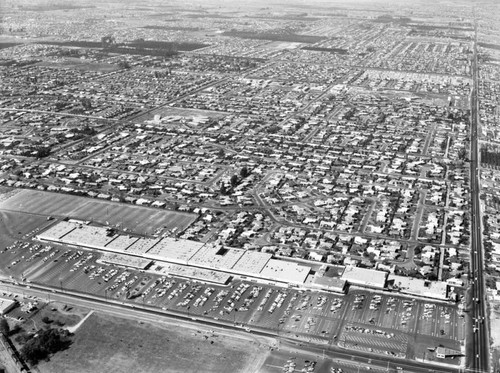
(365, 277)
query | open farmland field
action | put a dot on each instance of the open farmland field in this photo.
(135, 218)
(74, 63)
(108, 344)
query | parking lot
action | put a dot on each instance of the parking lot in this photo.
(383, 323)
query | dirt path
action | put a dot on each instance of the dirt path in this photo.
(74, 328)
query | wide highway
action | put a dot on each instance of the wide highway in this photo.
(150, 314)
(479, 344)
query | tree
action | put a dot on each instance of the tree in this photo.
(223, 190)
(413, 273)
(44, 343)
(59, 105)
(4, 327)
(86, 103)
(431, 276)
(124, 64)
(244, 172)
(462, 154)
(42, 152)
(88, 130)
(234, 180)
(107, 41)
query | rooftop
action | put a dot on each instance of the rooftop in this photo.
(216, 257)
(57, 231)
(92, 236)
(364, 277)
(125, 260)
(142, 245)
(252, 262)
(121, 243)
(284, 271)
(200, 274)
(423, 288)
(172, 250)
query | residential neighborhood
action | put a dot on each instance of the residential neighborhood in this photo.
(332, 152)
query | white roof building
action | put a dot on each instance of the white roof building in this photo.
(420, 287)
(365, 277)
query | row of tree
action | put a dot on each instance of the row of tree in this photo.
(490, 157)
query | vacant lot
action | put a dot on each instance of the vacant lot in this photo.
(14, 225)
(135, 218)
(107, 344)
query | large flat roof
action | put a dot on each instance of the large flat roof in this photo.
(252, 263)
(191, 254)
(178, 251)
(125, 260)
(57, 231)
(89, 235)
(284, 271)
(217, 257)
(327, 283)
(121, 243)
(364, 277)
(420, 287)
(142, 245)
(201, 274)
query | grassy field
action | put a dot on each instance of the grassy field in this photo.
(136, 218)
(112, 345)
